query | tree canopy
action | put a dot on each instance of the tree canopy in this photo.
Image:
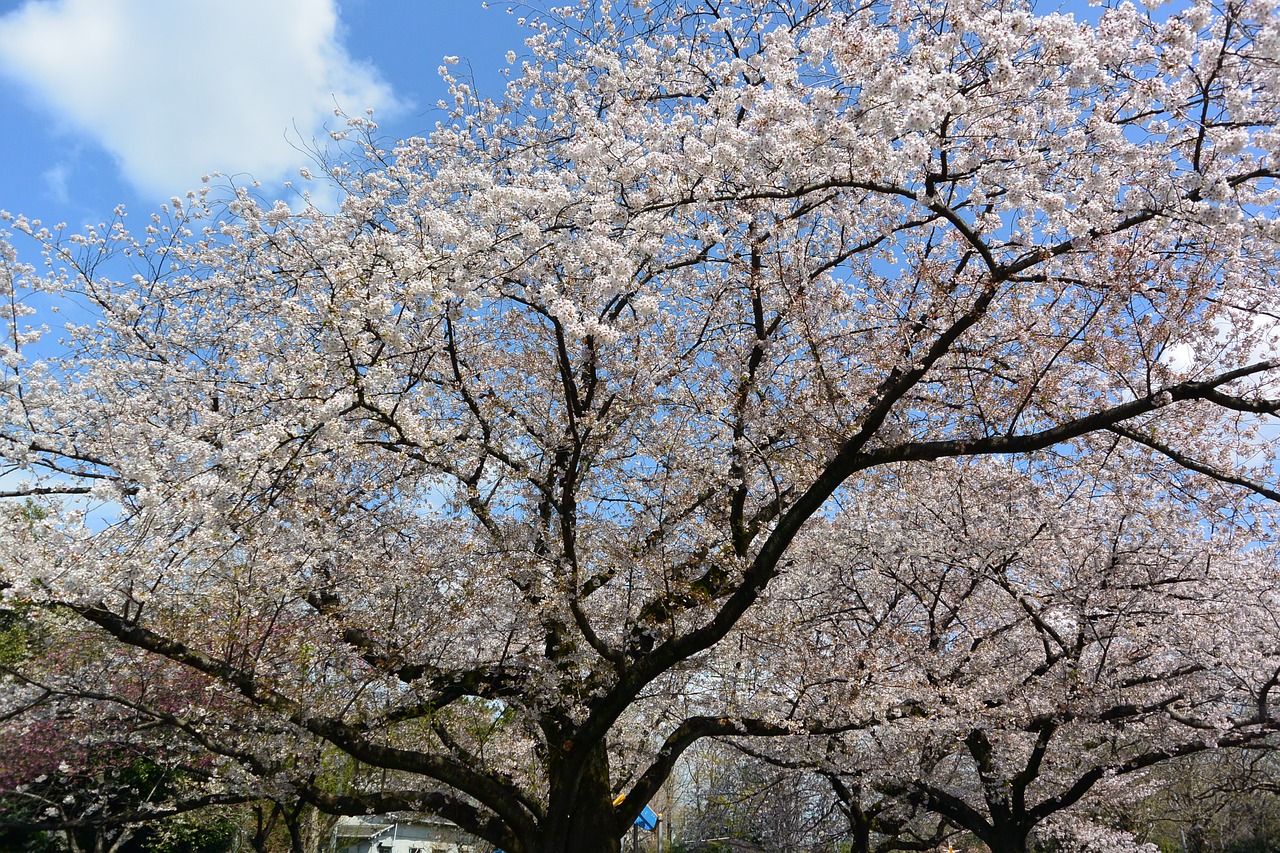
(471, 478)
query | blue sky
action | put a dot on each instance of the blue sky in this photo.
(132, 101)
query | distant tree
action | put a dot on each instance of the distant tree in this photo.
(471, 478)
(731, 794)
(1026, 646)
(1215, 802)
(79, 773)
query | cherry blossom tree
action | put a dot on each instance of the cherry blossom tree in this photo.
(727, 794)
(471, 478)
(1215, 802)
(91, 767)
(1029, 645)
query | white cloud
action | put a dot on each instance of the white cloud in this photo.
(55, 181)
(1238, 338)
(176, 90)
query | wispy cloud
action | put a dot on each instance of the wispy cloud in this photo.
(55, 181)
(178, 90)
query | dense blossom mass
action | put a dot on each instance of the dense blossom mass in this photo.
(891, 380)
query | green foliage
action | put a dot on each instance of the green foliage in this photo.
(18, 840)
(1220, 802)
(17, 637)
(191, 833)
(20, 635)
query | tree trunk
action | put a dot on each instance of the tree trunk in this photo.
(580, 814)
(1002, 840)
(1194, 840)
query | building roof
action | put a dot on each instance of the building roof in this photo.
(375, 825)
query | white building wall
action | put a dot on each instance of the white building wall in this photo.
(411, 838)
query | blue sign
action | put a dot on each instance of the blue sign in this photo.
(647, 819)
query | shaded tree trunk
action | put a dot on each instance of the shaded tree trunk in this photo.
(1006, 839)
(580, 816)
